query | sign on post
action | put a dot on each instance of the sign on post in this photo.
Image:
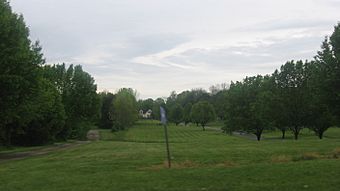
(163, 120)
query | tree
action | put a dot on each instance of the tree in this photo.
(248, 107)
(291, 81)
(218, 101)
(328, 62)
(280, 112)
(107, 110)
(145, 105)
(20, 75)
(320, 114)
(186, 113)
(79, 96)
(176, 114)
(203, 112)
(49, 118)
(155, 109)
(125, 109)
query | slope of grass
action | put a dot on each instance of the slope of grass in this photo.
(135, 160)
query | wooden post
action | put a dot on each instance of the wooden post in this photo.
(167, 145)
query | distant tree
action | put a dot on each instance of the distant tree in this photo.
(186, 113)
(197, 95)
(202, 113)
(320, 116)
(248, 106)
(218, 101)
(279, 113)
(328, 62)
(146, 105)
(176, 114)
(261, 111)
(107, 110)
(155, 109)
(171, 100)
(215, 89)
(79, 96)
(291, 81)
(125, 109)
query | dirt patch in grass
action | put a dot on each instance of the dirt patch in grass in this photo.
(308, 156)
(335, 154)
(226, 164)
(296, 158)
(281, 158)
(38, 152)
(189, 164)
(174, 165)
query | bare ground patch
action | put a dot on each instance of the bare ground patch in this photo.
(335, 154)
(189, 164)
(38, 152)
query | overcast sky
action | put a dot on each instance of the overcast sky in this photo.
(156, 46)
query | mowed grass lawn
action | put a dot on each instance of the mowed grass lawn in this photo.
(202, 160)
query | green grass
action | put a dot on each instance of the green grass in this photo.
(135, 160)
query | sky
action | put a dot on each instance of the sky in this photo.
(159, 46)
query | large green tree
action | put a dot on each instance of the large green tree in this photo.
(125, 109)
(20, 74)
(80, 99)
(176, 114)
(248, 106)
(202, 113)
(291, 81)
(48, 121)
(187, 113)
(107, 110)
(328, 62)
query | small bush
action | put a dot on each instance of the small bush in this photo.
(79, 130)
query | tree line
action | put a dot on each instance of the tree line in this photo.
(41, 103)
(301, 94)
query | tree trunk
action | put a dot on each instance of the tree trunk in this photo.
(258, 136)
(320, 133)
(296, 133)
(203, 127)
(283, 133)
(8, 137)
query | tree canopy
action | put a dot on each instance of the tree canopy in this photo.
(202, 113)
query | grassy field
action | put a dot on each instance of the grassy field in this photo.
(210, 160)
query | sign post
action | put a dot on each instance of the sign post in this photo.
(163, 120)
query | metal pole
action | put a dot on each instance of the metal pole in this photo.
(167, 145)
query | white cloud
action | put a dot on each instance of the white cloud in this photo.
(158, 46)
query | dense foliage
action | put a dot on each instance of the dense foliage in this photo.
(31, 109)
(125, 109)
(301, 94)
(42, 103)
(202, 113)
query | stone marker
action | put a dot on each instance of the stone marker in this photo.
(93, 135)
